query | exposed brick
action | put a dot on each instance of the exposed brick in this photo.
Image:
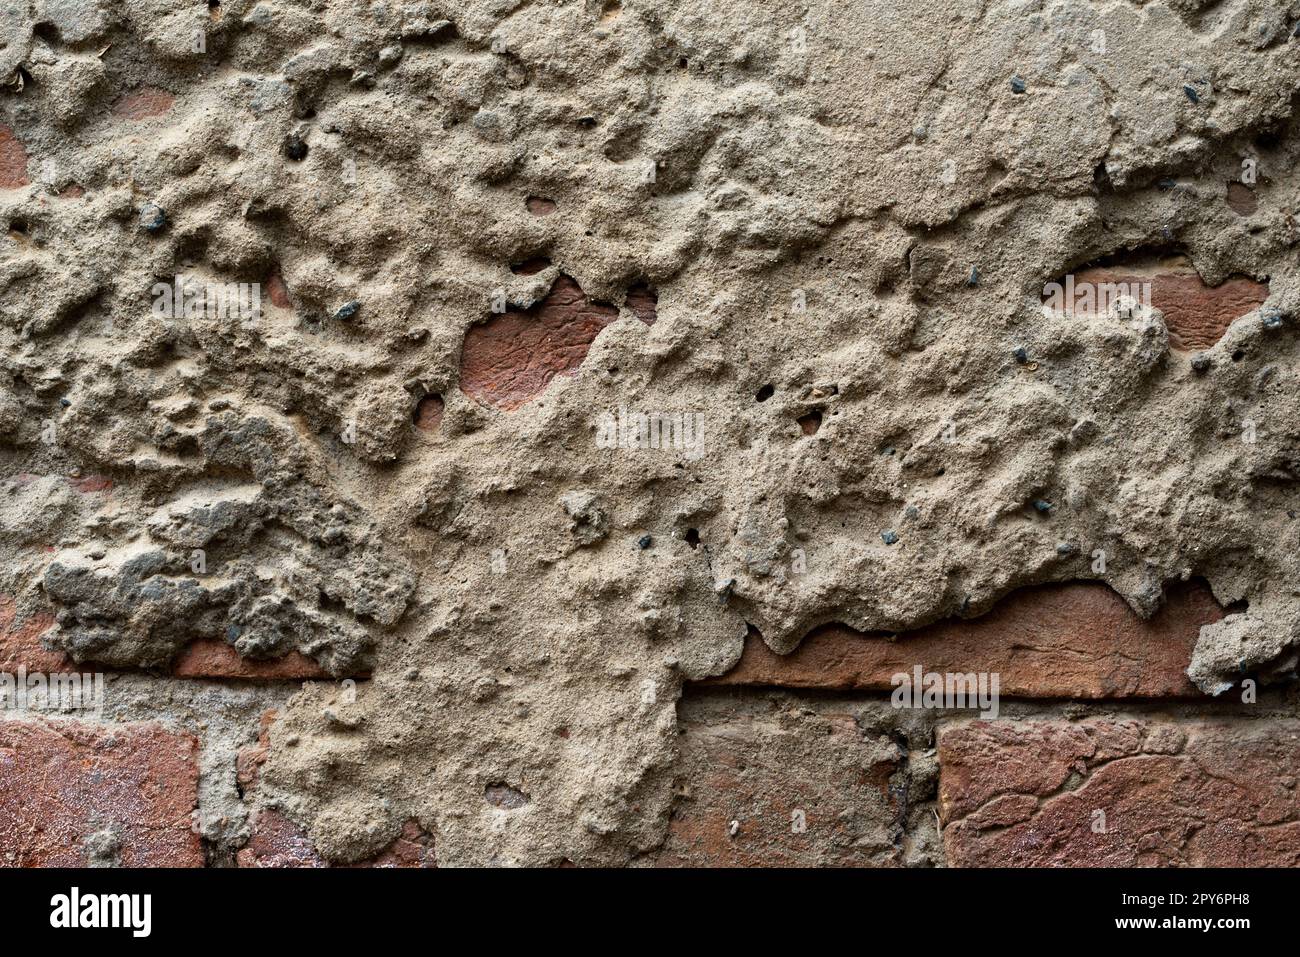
(644, 303)
(249, 760)
(1103, 793)
(746, 770)
(428, 413)
(20, 644)
(73, 793)
(531, 266)
(513, 356)
(13, 160)
(1078, 640)
(278, 842)
(504, 796)
(1196, 315)
(277, 291)
(539, 206)
(144, 103)
(86, 484)
(214, 658)
(1242, 199)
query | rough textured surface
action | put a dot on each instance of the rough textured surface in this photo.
(1064, 641)
(1121, 794)
(511, 358)
(782, 787)
(13, 160)
(72, 795)
(845, 214)
(278, 842)
(20, 642)
(1196, 315)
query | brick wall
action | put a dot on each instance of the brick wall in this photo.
(1102, 753)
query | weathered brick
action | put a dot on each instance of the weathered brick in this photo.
(513, 356)
(214, 658)
(278, 842)
(749, 777)
(13, 160)
(1103, 793)
(531, 266)
(1078, 640)
(144, 103)
(1242, 199)
(1196, 315)
(428, 413)
(277, 291)
(644, 303)
(20, 644)
(249, 760)
(72, 794)
(86, 484)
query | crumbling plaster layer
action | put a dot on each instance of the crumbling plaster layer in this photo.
(869, 160)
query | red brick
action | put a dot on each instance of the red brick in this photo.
(743, 772)
(202, 658)
(20, 645)
(531, 266)
(644, 303)
(86, 484)
(249, 761)
(277, 291)
(144, 103)
(278, 842)
(428, 413)
(1196, 315)
(513, 357)
(1078, 640)
(13, 160)
(1242, 199)
(214, 658)
(1190, 793)
(62, 782)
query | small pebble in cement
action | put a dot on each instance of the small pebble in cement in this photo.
(152, 217)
